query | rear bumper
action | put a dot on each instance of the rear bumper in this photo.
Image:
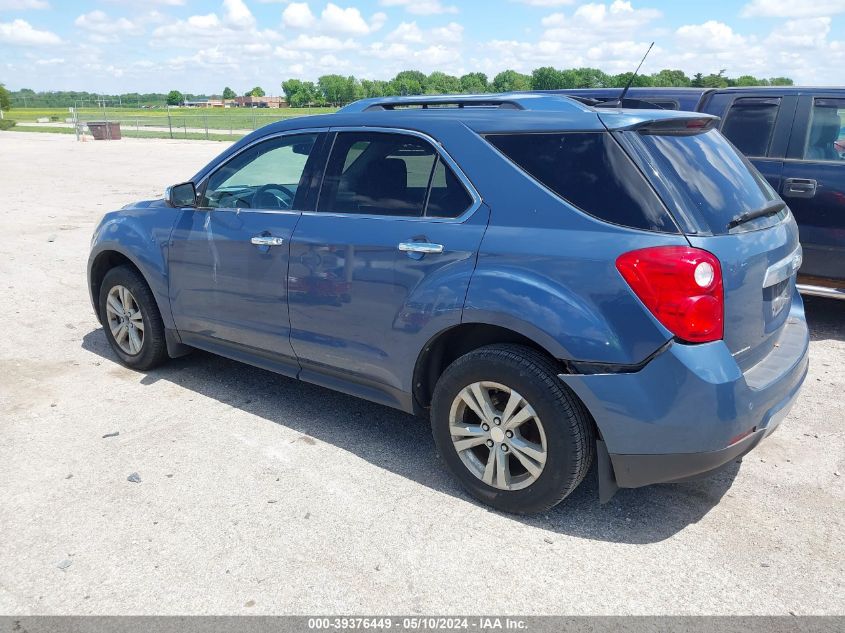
(691, 410)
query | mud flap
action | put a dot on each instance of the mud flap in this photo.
(607, 480)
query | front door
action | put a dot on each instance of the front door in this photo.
(814, 185)
(383, 264)
(229, 257)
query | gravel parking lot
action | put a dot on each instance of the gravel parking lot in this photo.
(259, 494)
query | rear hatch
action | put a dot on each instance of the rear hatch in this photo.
(723, 205)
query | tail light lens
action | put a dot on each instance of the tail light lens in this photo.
(681, 286)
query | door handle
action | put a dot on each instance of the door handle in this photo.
(267, 240)
(420, 247)
(799, 188)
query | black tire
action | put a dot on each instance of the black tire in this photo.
(567, 425)
(153, 351)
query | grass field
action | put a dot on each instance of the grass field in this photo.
(191, 136)
(187, 123)
(216, 116)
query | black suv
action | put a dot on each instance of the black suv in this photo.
(796, 138)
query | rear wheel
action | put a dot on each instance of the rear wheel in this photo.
(131, 319)
(509, 430)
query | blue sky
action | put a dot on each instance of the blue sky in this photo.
(202, 45)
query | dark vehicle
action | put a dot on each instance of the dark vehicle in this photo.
(548, 282)
(796, 138)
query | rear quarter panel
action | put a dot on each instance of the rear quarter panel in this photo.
(547, 270)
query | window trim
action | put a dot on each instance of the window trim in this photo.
(772, 135)
(442, 155)
(203, 183)
(803, 159)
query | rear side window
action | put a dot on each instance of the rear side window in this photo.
(707, 181)
(375, 173)
(826, 139)
(750, 123)
(591, 171)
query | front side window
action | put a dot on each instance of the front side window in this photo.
(750, 123)
(591, 171)
(264, 176)
(826, 139)
(374, 173)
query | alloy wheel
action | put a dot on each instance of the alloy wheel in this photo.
(126, 322)
(498, 435)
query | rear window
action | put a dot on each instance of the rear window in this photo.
(707, 182)
(592, 172)
(750, 123)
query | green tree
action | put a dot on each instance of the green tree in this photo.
(474, 83)
(781, 81)
(5, 99)
(375, 88)
(339, 90)
(290, 88)
(439, 83)
(697, 81)
(258, 91)
(548, 78)
(640, 81)
(408, 82)
(175, 98)
(670, 79)
(590, 78)
(715, 80)
(511, 81)
(228, 93)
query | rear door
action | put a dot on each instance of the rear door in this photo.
(814, 185)
(384, 263)
(708, 186)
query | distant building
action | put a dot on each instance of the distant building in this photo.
(205, 103)
(260, 102)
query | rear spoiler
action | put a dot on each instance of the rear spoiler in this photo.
(676, 123)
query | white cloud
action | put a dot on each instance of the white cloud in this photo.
(338, 20)
(23, 5)
(170, 3)
(321, 43)
(236, 27)
(810, 34)
(298, 15)
(421, 7)
(333, 19)
(411, 33)
(237, 15)
(22, 33)
(710, 36)
(100, 23)
(545, 3)
(801, 9)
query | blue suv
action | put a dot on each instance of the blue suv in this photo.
(551, 283)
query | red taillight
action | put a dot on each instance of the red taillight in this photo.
(682, 287)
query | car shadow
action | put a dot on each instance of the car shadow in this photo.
(402, 444)
(826, 318)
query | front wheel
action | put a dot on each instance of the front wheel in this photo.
(514, 436)
(131, 319)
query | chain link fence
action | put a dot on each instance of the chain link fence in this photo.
(211, 124)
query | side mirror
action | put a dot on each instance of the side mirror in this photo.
(181, 195)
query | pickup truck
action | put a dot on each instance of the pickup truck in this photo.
(796, 138)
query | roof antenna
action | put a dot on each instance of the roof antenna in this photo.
(631, 80)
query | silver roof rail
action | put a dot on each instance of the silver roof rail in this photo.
(505, 101)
